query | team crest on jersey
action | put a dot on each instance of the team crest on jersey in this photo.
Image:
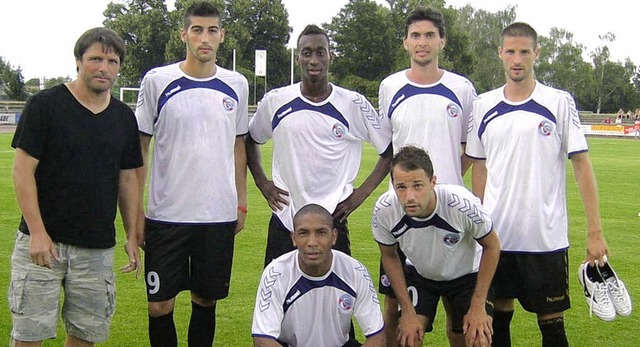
(545, 128)
(229, 104)
(345, 303)
(338, 130)
(451, 239)
(384, 279)
(453, 110)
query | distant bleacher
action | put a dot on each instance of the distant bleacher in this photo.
(588, 117)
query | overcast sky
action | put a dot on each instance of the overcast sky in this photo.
(39, 35)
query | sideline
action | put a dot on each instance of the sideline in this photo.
(7, 129)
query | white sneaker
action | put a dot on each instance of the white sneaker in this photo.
(617, 290)
(597, 293)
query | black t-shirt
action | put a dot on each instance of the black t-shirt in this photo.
(80, 157)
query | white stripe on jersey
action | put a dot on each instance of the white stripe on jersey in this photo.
(194, 123)
(433, 117)
(288, 302)
(443, 246)
(526, 145)
(317, 147)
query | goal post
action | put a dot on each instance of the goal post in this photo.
(128, 89)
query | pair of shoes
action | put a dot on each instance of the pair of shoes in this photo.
(617, 290)
(606, 294)
(596, 292)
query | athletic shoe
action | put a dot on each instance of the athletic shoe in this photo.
(617, 290)
(597, 293)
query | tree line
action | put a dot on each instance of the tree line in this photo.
(11, 82)
(367, 46)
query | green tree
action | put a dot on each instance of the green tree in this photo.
(616, 91)
(268, 24)
(248, 25)
(484, 29)
(50, 82)
(12, 81)
(610, 77)
(561, 65)
(144, 26)
(457, 55)
(175, 49)
(362, 44)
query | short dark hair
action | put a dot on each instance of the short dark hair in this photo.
(313, 29)
(105, 36)
(421, 13)
(412, 158)
(200, 9)
(520, 29)
(313, 209)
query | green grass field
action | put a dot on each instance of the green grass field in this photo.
(616, 163)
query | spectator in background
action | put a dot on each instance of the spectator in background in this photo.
(619, 120)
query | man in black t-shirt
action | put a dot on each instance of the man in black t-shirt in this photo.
(77, 149)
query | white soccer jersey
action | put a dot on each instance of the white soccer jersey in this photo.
(526, 145)
(194, 122)
(317, 147)
(301, 310)
(442, 246)
(433, 117)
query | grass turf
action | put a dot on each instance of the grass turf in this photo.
(616, 164)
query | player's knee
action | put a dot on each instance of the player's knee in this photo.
(77, 342)
(548, 316)
(456, 339)
(160, 308)
(391, 304)
(504, 305)
(202, 301)
(17, 343)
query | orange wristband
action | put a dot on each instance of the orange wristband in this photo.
(242, 209)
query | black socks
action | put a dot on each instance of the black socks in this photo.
(501, 328)
(162, 331)
(202, 326)
(553, 334)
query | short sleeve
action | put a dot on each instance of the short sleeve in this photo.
(33, 130)
(573, 139)
(467, 107)
(260, 124)
(376, 126)
(380, 220)
(242, 121)
(474, 148)
(367, 309)
(146, 108)
(268, 312)
(132, 153)
(479, 223)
